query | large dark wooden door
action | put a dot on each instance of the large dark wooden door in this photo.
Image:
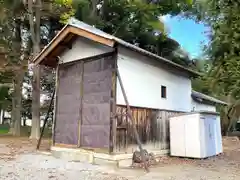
(97, 85)
(84, 103)
(68, 104)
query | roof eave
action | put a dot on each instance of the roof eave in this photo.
(104, 38)
(63, 33)
(212, 100)
(169, 62)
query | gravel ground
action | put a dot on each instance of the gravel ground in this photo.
(19, 161)
(36, 166)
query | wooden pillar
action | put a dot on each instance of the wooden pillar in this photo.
(113, 124)
(81, 102)
(55, 105)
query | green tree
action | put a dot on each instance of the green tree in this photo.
(20, 36)
(222, 17)
(135, 21)
(14, 62)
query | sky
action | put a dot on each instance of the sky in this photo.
(188, 33)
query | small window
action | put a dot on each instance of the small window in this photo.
(163, 92)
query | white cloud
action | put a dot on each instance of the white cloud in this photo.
(165, 18)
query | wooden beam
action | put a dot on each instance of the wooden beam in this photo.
(65, 145)
(91, 36)
(46, 119)
(55, 105)
(81, 102)
(113, 118)
(132, 120)
(51, 46)
(91, 58)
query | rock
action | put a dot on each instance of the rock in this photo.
(138, 162)
(137, 157)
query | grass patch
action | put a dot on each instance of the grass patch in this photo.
(25, 131)
(4, 128)
(4, 131)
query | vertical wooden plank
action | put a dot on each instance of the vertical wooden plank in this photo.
(124, 120)
(164, 129)
(160, 126)
(113, 119)
(142, 125)
(147, 121)
(152, 126)
(81, 102)
(126, 134)
(68, 104)
(170, 114)
(55, 104)
(95, 128)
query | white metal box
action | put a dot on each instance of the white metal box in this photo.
(196, 135)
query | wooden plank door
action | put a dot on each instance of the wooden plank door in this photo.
(97, 84)
(68, 104)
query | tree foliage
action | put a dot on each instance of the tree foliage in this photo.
(223, 78)
(224, 47)
(135, 21)
(18, 35)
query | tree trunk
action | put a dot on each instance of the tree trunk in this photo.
(2, 116)
(18, 105)
(35, 131)
(94, 9)
(17, 85)
(13, 114)
(35, 34)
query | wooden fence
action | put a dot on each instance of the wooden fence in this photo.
(152, 126)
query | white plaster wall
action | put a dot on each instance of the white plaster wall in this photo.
(142, 80)
(196, 106)
(83, 48)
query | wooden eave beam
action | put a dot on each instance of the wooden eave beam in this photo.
(91, 36)
(63, 34)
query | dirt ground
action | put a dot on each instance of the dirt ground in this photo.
(19, 160)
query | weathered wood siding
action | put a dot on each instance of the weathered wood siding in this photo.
(152, 126)
(97, 84)
(68, 104)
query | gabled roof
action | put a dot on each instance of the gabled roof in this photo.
(200, 97)
(79, 28)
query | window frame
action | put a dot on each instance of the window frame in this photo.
(163, 92)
